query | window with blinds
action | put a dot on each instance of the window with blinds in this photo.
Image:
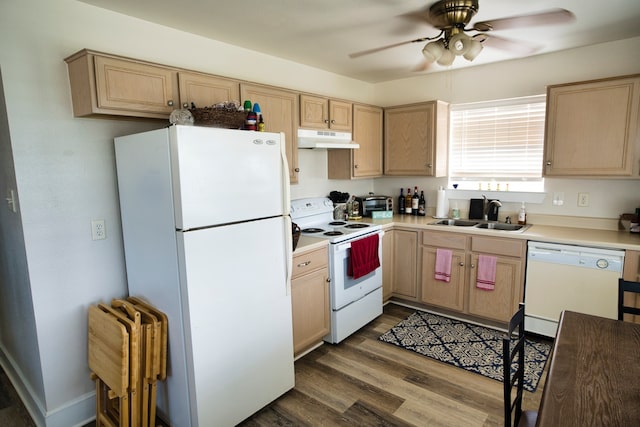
(497, 140)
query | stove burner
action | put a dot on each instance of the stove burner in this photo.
(357, 225)
(333, 233)
(312, 230)
(337, 223)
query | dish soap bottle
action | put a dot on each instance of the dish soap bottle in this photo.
(522, 215)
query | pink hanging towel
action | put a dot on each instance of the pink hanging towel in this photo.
(443, 265)
(486, 272)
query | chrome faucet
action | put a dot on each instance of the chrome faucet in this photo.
(486, 205)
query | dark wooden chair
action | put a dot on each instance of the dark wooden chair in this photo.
(513, 355)
(627, 286)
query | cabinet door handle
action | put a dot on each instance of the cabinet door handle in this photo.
(429, 165)
(326, 121)
(296, 170)
(548, 163)
(473, 266)
(461, 264)
(304, 264)
(355, 166)
(333, 122)
(170, 103)
(185, 105)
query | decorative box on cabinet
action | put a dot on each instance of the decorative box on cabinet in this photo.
(592, 128)
(102, 84)
(322, 113)
(415, 139)
(366, 161)
(310, 299)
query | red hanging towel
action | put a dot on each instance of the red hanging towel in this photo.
(443, 265)
(364, 256)
(486, 272)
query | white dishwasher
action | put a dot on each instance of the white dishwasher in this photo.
(566, 277)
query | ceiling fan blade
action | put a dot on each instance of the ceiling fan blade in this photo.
(519, 48)
(417, 16)
(549, 17)
(424, 65)
(378, 49)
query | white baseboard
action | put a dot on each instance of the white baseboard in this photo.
(76, 413)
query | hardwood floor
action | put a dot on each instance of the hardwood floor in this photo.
(363, 381)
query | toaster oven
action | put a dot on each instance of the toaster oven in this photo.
(372, 203)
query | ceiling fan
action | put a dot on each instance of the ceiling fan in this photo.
(451, 17)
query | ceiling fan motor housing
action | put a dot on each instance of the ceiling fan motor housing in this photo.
(452, 13)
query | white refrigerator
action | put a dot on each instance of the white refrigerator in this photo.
(207, 240)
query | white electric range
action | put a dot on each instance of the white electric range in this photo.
(354, 302)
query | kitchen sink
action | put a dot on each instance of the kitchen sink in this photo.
(457, 222)
(484, 225)
(501, 226)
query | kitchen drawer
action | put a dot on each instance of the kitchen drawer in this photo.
(498, 246)
(444, 239)
(309, 261)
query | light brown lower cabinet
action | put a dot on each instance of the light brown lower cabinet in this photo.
(387, 264)
(405, 262)
(461, 294)
(310, 299)
(449, 295)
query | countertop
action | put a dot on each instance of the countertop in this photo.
(540, 233)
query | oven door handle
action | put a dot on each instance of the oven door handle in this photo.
(342, 247)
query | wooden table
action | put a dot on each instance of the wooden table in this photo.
(594, 375)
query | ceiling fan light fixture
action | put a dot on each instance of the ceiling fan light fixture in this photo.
(447, 58)
(475, 47)
(432, 51)
(459, 44)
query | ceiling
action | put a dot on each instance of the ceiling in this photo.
(322, 33)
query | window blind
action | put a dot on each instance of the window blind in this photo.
(501, 140)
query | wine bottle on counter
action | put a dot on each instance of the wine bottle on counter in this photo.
(401, 202)
(422, 204)
(415, 201)
(407, 202)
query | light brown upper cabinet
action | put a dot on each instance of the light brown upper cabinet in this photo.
(323, 113)
(280, 110)
(205, 90)
(415, 139)
(592, 128)
(101, 84)
(366, 161)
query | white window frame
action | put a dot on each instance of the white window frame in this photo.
(523, 135)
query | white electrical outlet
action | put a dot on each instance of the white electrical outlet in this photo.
(583, 199)
(98, 229)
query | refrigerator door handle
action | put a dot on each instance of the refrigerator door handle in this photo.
(286, 186)
(288, 247)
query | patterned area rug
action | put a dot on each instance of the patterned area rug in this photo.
(471, 347)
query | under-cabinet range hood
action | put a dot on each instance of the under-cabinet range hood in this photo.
(308, 138)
